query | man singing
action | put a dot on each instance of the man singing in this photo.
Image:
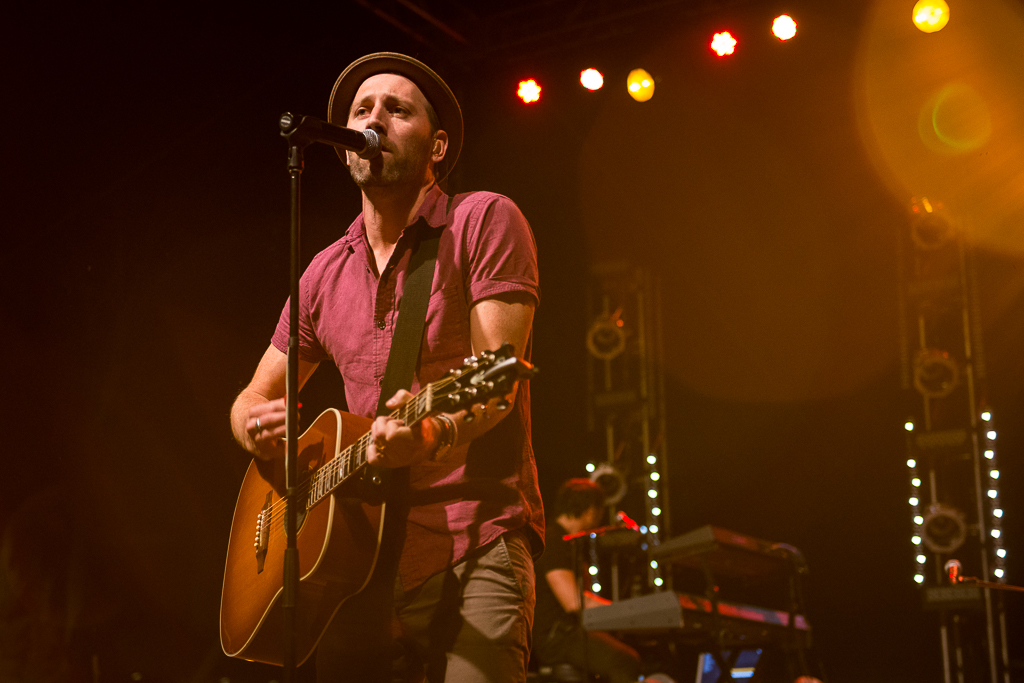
(452, 595)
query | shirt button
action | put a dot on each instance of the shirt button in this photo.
(380, 324)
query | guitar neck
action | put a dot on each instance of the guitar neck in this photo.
(351, 460)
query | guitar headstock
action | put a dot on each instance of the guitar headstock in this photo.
(491, 375)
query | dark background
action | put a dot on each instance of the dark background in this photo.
(145, 265)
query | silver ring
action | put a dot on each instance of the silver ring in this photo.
(258, 427)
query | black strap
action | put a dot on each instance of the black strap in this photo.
(412, 313)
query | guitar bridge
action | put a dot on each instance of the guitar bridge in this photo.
(263, 531)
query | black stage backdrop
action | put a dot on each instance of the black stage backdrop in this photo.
(145, 265)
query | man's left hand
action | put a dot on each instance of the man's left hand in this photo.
(393, 444)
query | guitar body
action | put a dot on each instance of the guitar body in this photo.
(338, 541)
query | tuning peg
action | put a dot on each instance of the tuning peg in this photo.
(471, 360)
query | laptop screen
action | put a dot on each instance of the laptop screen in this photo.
(708, 671)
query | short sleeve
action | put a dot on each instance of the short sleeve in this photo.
(310, 348)
(501, 251)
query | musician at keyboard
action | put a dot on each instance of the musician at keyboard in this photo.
(558, 635)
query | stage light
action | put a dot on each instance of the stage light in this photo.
(654, 564)
(784, 27)
(919, 578)
(652, 493)
(911, 463)
(658, 581)
(986, 416)
(591, 79)
(994, 474)
(999, 573)
(918, 520)
(916, 540)
(653, 528)
(652, 458)
(921, 559)
(909, 426)
(990, 454)
(593, 570)
(529, 91)
(914, 501)
(931, 15)
(992, 493)
(723, 44)
(655, 476)
(591, 467)
(656, 512)
(640, 85)
(995, 533)
(1001, 552)
(997, 512)
(596, 587)
(915, 481)
(991, 435)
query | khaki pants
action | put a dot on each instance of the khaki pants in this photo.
(469, 624)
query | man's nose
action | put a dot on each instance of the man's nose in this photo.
(378, 121)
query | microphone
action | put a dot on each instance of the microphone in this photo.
(307, 129)
(953, 568)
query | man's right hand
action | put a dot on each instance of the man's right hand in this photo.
(266, 428)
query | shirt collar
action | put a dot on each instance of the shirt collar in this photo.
(434, 210)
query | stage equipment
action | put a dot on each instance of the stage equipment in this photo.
(591, 79)
(714, 622)
(723, 44)
(955, 501)
(784, 27)
(640, 85)
(625, 407)
(529, 91)
(931, 15)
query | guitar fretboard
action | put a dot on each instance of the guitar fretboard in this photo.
(330, 476)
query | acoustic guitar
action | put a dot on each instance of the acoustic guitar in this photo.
(339, 526)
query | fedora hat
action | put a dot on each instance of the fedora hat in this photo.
(437, 92)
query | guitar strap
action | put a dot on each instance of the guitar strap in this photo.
(408, 336)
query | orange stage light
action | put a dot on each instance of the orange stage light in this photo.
(529, 91)
(723, 44)
(784, 27)
(591, 79)
(640, 85)
(931, 15)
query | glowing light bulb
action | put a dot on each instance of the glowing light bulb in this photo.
(918, 519)
(723, 44)
(652, 458)
(529, 91)
(652, 493)
(916, 540)
(998, 512)
(591, 467)
(655, 476)
(931, 15)
(915, 481)
(914, 501)
(990, 454)
(658, 581)
(591, 79)
(921, 559)
(919, 578)
(653, 528)
(656, 511)
(992, 493)
(784, 27)
(986, 416)
(995, 533)
(640, 85)
(593, 570)
(1001, 552)
(991, 434)
(654, 564)
(911, 463)
(909, 426)
(999, 572)
(596, 587)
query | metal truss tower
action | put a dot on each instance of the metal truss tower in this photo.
(952, 463)
(626, 403)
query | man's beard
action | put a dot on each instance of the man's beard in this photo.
(392, 170)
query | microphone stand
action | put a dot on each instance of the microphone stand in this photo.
(296, 144)
(300, 132)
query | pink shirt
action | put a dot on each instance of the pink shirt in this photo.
(348, 316)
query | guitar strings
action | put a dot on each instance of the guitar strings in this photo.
(275, 524)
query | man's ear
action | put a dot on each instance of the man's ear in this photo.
(439, 147)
